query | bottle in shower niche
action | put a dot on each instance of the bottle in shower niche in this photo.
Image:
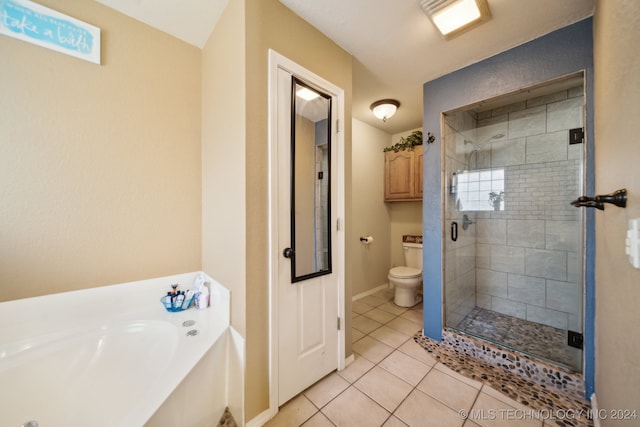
(202, 297)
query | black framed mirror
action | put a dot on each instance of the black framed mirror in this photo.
(310, 182)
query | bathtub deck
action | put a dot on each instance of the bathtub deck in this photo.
(111, 355)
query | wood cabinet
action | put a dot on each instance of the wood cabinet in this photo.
(403, 175)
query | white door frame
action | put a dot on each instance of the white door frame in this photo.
(277, 61)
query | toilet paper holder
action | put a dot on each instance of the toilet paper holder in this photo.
(367, 239)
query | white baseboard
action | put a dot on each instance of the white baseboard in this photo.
(370, 292)
(261, 419)
(266, 415)
(349, 360)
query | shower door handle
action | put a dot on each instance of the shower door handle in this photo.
(454, 231)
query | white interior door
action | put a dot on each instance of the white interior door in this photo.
(307, 294)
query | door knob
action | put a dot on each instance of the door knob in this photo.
(288, 253)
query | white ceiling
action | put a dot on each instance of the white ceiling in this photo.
(395, 47)
(190, 20)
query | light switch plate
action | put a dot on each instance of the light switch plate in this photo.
(632, 242)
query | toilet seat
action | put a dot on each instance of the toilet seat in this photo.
(403, 272)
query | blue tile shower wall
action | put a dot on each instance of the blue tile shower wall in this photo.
(557, 54)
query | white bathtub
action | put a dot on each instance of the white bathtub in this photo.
(107, 356)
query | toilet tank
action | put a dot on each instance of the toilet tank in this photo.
(412, 255)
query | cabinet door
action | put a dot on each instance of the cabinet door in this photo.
(418, 171)
(399, 175)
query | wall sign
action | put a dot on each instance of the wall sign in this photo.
(33, 23)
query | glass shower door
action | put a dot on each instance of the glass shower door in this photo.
(514, 256)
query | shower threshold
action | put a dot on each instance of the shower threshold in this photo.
(533, 339)
(532, 382)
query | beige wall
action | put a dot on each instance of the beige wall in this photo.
(224, 228)
(387, 222)
(110, 175)
(371, 215)
(406, 217)
(224, 182)
(235, 161)
(271, 25)
(99, 164)
(617, 100)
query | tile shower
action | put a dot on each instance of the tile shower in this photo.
(514, 273)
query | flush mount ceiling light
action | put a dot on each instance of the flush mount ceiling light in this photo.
(452, 17)
(384, 108)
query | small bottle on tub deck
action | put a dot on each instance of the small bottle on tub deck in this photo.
(202, 298)
(188, 299)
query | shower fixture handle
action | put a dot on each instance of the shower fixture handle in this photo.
(466, 222)
(618, 198)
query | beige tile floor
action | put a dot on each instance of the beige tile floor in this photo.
(393, 382)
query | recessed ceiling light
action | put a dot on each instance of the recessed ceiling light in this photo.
(452, 17)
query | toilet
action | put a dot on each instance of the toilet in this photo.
(407, 279)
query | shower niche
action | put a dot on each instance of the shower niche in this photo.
(514, 274)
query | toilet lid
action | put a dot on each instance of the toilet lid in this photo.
(405, 272)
